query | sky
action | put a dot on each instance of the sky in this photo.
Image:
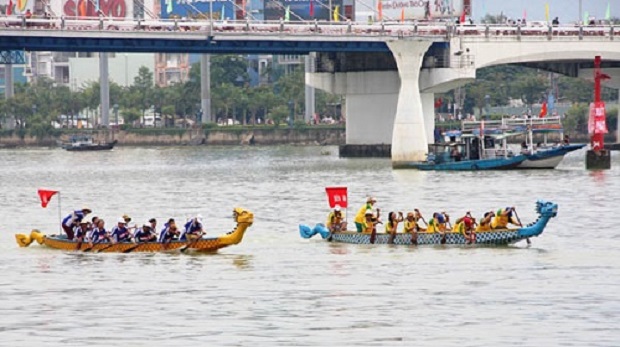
(566, 10)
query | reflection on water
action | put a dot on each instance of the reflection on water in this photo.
(277, 289)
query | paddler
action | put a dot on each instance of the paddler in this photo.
(73, 220)
(465, 226)
(360, 218)
(485, 222)
(438, 223)
(99, 234)
(193, 229)
(369, 222)
(335, 221)
(503, 216)
(120, 233)
(145, 234)
(81, 231)
(169, 232)
(391, 227)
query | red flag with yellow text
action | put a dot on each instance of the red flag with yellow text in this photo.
(337, 196)
(45, 196)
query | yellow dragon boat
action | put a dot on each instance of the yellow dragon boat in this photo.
(244, 219)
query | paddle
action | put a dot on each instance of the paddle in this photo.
(138, 244)
(521, 225)
(192, 243)
(104, 248)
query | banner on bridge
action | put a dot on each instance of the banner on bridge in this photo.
(422, 9)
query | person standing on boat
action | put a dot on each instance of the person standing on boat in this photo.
(193, 229)
(503, 216)
(73, 220)
(335, 221)
(120, 233)
(145, 234)
(169, 232)
(360, 218)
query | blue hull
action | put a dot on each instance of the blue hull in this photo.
(554, 152)
(546, 211)
(468, 165)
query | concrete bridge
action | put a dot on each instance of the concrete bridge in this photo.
(388, 71)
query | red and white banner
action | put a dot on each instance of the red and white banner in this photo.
(597, 126)
(337, 196)
(46, 196)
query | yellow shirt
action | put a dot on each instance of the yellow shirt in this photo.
(410, 226)
(486, 227)
(499, 222)
(368, 226)
(433, 226)
(332, 217)
(389, 227)
(360, 216)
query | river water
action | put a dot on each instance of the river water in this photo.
(276, 289)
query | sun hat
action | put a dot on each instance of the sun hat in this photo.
(337, 208)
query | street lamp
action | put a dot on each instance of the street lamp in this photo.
(34, 110)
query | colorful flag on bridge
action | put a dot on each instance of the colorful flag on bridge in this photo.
(287, 13)
(586, 18)
(311, 8)
(547, 12)
(169, 6)
(337, 13)
(9, 8)
(402, 15)
(608, 12)
(380, 10)
(46, 196)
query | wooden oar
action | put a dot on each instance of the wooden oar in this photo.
(521, 225)
(192, 243)
(128, 250)
(104, 248)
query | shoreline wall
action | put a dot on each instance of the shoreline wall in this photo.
(185, 137)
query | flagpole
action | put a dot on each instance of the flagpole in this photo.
(59, 215)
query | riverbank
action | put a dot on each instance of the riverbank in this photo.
(310, 135)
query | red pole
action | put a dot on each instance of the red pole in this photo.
(597, 78)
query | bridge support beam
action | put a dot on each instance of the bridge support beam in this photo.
(428, 109)
(8, 81)
(309, 91)
(205, 88)
(409, 138)
(104, 84)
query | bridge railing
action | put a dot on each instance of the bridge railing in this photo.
(309, 28)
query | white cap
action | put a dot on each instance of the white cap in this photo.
(199, 217)
(337, 208)
(368, 212)
(121, 220)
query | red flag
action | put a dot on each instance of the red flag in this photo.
(337, 196)
(45, 196)
(402, 15)
(380, 9)
(463, 17)
(82, 8)
(311, 8)
(543, 110)
(9, 8)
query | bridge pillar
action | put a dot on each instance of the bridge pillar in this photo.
(409, 138)
(309, 92)
(205, 88)
(428, 109)
(8, 81)
(104, 93)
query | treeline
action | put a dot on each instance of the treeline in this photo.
(36, 105)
